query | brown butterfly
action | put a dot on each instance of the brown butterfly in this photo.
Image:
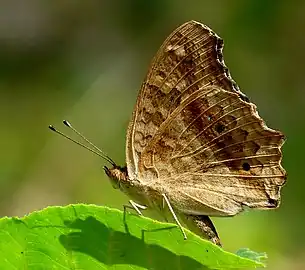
(196, 147)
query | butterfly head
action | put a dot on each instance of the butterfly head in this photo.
(117, 175)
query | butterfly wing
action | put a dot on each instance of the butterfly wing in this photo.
(193, 126)
(190, 58)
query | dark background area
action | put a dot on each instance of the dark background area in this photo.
(85, 60)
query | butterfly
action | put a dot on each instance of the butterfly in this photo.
(196, 146)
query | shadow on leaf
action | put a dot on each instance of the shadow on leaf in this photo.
(112, 247)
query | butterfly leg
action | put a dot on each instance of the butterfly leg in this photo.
(165, 199)
(135, 206)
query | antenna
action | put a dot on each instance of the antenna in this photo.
(97, 150)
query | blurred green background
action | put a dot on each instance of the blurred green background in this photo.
(85, 60)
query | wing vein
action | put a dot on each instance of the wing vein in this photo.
(203, 147)
(240, 158)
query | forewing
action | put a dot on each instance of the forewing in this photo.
(189, 59)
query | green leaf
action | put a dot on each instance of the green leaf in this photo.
(94, 237)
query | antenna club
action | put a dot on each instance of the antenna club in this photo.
(52, 128)
(66, 123)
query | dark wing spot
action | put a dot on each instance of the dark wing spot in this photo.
(219, 128)
(246, 166)
(273, 202)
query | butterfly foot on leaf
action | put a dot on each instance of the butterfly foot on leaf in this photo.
(134, 206)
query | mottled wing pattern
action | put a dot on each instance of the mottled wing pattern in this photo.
(190, 58)
(193, 126)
